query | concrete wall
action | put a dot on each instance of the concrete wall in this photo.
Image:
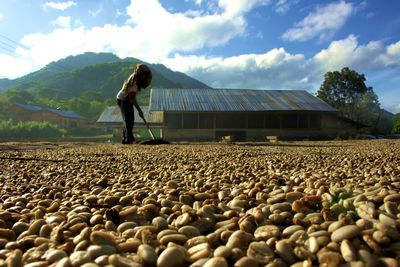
(189, 134)
(238, 134)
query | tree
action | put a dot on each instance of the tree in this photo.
(18, 96)
(385, 122)
(4, 105)
(346, 91)
(367, 109)
(45, 92)
(396, 124)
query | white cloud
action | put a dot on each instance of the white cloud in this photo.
(118, 13)
(197, 2)
(144, 37)
(347, 52)
(172, 32)
(174, 38)
(279, 69)
(11, 67)
(371, 15)
(323, 22)
(283, 6)
(239, 7)
(360, 6)
(60, 5)
(96, 12)
(275, 69)
(393, 54)
(1, 17)
(63, 22)
(63, 42)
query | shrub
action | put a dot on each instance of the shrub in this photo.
(29, 130)
(396, 124)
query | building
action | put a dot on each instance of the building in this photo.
(24, 112)
(111, 118)
(243, 114)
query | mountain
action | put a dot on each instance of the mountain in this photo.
(102, 73)
(68, 64)
(5, 84)
(385, 122)
(183, 81)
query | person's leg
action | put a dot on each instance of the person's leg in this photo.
(127, 114)
(129, 122)
(124, 138)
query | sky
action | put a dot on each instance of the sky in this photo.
(248, 44)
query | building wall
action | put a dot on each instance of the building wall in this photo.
(239, 134)
(252, 126)
(189, 134)
(62, 121)
(20, 114)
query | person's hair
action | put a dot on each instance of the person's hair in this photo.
(142, 76)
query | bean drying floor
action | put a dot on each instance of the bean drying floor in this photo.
(303, 203)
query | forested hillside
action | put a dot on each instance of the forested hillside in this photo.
(85, 84)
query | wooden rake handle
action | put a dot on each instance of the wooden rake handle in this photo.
(148, 127)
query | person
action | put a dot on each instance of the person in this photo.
(126, 99)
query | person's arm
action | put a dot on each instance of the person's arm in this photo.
(133, 101)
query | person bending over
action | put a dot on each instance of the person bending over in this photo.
(126, 99)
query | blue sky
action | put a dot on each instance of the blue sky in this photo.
(265, 44)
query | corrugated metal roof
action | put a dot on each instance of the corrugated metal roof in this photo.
(113, 115)
(66, 114)
(110, 114)
(235, 100)
(29, 107)
(59, 112)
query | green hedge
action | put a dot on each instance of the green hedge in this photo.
(30, 130)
